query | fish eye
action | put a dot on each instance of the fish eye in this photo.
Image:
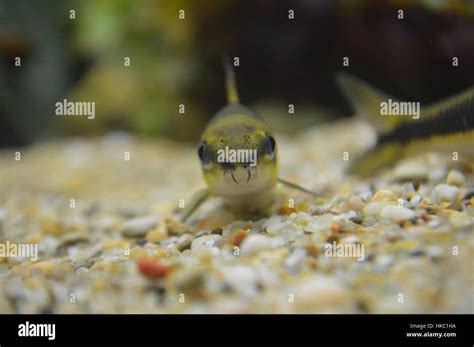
(268, 146)
(272, 144)
(201, 152)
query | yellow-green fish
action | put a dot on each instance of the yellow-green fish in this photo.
(238, 155)
(446, 126)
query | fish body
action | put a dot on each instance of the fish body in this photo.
(239, 157)
(446, 126)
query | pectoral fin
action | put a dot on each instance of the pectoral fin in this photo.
(199, 198)
(295, 186)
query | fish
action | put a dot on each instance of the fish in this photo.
(446, 126)
(238, 154)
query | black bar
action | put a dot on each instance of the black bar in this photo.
(260, 329)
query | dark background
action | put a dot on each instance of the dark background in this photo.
(176, 61)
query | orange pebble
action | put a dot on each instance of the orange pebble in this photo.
(153, 269)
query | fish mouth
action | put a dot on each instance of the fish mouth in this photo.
(241, 175)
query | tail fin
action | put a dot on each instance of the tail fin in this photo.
(231, 86)
(366, 101)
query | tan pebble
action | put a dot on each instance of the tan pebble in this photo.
(460, 220)
(184, 242)
(51, 227)
(34, 238)
(455, 178)
(384, 195)
(99, 284)
(50, 269)
(374, 208)
(45, 266)
(114, 243)
(445, 192)
(102, 265)
(137, 253)
(321, 294)
(354, 203)
(397, 213)
(138, 227)
(32, 283)
(156, 235)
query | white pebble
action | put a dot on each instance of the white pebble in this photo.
(374, 208)
(255, 243)
(397, 214)
(437, 175)
(445, 192)
(241, 278)
(275, 228)
(294, 260)
(455, 178)
(138, 226)
(415, 200)
(206, 241)
(321, 293)
(270, 221)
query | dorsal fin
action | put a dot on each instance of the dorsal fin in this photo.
(230, 84)
(366, 101)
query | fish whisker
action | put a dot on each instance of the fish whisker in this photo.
(232, 174)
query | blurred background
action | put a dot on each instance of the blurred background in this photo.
(177, 61)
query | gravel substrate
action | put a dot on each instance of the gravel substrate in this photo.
(118, 247)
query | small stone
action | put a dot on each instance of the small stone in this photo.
(455, 178)
(206, 241)
(317, 210)
(397, 214)
(241, 278)
(153, 269)
(437, 175)
(383, 262)
(50, 269)
(176, 229)
(237, 237)
(354, 203)
(384, 195)
(294, 260)
(156, 235)
(415, 200)
(321, 293)
(374, 208)
(255, 243)
(184, 242)
(411, 169)
(188, 280)
(408, 190)
(44, 266)
(416, 252)
(351, 239)
(276, 227)
(460, 220)
(217, 231)
(138, 227)
(445, 192)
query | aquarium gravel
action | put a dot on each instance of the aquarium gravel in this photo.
(105, 214)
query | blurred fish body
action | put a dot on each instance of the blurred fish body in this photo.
(446, 126)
